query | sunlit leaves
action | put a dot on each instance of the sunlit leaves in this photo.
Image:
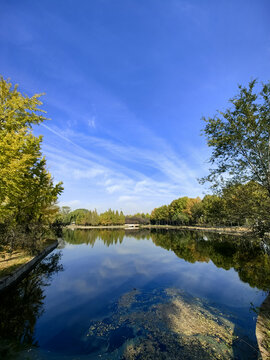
(27, 191)
(239, 138)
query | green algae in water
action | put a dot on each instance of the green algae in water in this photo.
(168, 323)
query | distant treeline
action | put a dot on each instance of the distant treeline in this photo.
(107, 218)
(236, 205)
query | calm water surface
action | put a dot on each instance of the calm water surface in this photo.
(111, 294)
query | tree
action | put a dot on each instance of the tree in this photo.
(240, 139)
(65, 210)
(248, 204)
(180, 218)
(160, 215)
(197, 212)
(27, 191)
(191, 202)
(122, 218)
(177, 206)
(213, 210)
(76, 216)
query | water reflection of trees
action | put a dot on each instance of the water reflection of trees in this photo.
(22, 305)
(248, 257)
(108, 236)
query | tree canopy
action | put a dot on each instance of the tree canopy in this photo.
(179, 212)
(27, 191)
(240, 139)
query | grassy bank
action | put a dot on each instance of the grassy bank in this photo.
(12, 260)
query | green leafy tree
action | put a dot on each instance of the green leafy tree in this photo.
(180, 218)
(139, 218)
(65, 210)
(248, 204)
(93, 218)
(213, 210)
(77, 216)
(122, 218)
(191, 202)
(197, 212)
(240, 139)
(106, 218)
(63, 217)
(177, 206)
(160, 215)
(240, 142)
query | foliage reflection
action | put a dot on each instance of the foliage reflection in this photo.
(248, 257)
(22, 305)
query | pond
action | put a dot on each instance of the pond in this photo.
(139, 294)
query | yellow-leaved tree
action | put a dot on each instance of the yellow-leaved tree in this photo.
(27, 191)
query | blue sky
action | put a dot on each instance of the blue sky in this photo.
(126, 83)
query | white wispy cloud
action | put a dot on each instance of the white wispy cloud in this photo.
(72, 203)
(163, 159)
(117, 162)
(87, 174)
(111, 171)
(92, 122)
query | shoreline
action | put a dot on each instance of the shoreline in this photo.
(240, 231)
(263, 328)
(18, 274)
(73, 227)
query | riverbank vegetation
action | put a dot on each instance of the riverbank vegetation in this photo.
(92, 218)
(239, 138)
(12, 259)
(236, 205)
(246, 205)
(27, 191)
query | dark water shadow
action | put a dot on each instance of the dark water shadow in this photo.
(243, 345)
(22, 305)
